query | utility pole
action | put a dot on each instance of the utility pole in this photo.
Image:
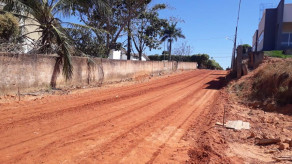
(235, 38)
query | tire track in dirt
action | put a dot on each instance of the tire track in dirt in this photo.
(116, 126)
(151, 121)
(86, 105)
(109, 98)
(100, 124)
(176, 136)
(164, 132)
(190, 79)
(75, 111)
(32, 104)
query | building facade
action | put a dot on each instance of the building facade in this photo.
(275, 29)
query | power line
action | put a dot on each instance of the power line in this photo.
(215, 38)
(235, 37)
(222, 57)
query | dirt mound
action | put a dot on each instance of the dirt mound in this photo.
(269, 86)
(200, 156)
(257, 98)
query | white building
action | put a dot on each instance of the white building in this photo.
(121, 55)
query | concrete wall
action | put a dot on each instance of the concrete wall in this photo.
(34, 72)
(287, 13)
(24, 71)
(255, 59)
(279, 25)
(270, 30)
(255, 41)
(185, 65)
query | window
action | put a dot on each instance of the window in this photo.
(286, 39)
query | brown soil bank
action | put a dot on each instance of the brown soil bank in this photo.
(270, 86)
(263, 99)
(142, 123)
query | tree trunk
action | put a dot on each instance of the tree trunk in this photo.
(129, 41)
(56, 72)
(169, 57)
(140, 55)
(107, 51)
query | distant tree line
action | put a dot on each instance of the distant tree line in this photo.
(204, 61)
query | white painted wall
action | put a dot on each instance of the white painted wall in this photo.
(287, 13)
(137, 58)
(123, 57)
(115, 55)
(2, 4)
(119, 55)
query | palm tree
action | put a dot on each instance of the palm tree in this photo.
(170, 33)
(54, 39)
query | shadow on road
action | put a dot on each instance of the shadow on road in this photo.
(217, 84)
(219, 74)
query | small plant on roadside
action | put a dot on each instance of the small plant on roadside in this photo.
(239, 88)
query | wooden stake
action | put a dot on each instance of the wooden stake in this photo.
(224, 116)
(18, 94)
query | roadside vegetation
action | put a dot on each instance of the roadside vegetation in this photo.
(169, 34)
(103, 25)
(269, 86)
(274, 82)
(129, 25)
(277, 54)
(44, 17)
(204, 61)
(9, 27)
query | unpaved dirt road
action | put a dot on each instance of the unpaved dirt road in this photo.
(141, 123)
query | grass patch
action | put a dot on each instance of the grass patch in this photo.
(277, 54)
(240, 89)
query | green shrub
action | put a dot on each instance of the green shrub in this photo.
(203, 60)
(9, 27)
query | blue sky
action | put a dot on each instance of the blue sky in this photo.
(209, 22)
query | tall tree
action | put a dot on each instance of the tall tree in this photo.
(133, 9)
(110, 23)
(147, 29)
(53, 39)
(171, 33)
(87, 42)
(115, 22)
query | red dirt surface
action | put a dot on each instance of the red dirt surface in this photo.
(141, 123)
